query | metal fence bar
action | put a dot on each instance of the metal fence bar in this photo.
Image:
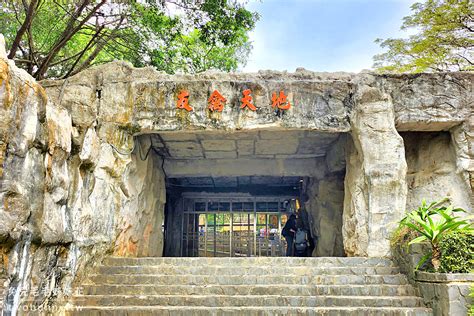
(232, 236)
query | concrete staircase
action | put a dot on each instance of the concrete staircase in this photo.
(248, 286)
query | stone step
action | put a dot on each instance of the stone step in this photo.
(247, 300)
(396, 279)
(290, 290)
(247, 286)
(251, 261)
(248, 311)
(252, 270)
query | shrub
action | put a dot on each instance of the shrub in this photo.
(402, 236)
(433, 222)
(457, 252)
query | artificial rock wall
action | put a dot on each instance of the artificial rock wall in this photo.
(68, 196)
(375, 180)
(326, 201)
(71, 190)
(142, 215)
(432, 171)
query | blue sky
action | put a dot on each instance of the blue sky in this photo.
(322, 35)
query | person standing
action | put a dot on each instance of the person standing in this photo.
(289, 231)
(301, 238)
(305, 221)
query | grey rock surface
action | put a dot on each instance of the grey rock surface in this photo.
(446, 293)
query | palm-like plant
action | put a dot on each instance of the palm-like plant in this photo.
(432, 222)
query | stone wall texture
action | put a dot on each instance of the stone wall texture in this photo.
(433, 171)
(446, 293)
(376, 192)
(326, 202)
(74, 186)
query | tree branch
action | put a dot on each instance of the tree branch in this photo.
(466, 59)
(26, 23)
(65, 59)
(69, 31)
(31, 54)
(89, 44)
(97, 50)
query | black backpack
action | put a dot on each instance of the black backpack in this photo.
(301, 241)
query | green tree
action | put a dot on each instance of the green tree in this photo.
(57, 39)
(444, 40)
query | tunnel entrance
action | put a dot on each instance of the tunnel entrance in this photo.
(231, 193)
(229, 225)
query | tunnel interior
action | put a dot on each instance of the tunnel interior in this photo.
(231, 193)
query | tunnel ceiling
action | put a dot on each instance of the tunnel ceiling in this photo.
(268, 185)
(248, 144)
(214, 182)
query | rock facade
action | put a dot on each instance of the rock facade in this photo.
(375, 183)
(75, 187)
(446, 293)
(326, 202)
(68, 195)
(433, 171)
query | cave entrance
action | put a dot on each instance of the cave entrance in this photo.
(230, 193)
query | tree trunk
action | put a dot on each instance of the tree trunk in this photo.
(435, 259)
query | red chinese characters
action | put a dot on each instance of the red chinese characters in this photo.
(247, 100)
(280, 101)
(216, 102)
(183, 101)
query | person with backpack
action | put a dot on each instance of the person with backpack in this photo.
(301, 239)
(306, 225)
(289, 231)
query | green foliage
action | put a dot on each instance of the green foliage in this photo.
(56, 39)
(444, 40)
(129, 128)
(433, 222)
(218, 219)
(457, 252)
(402, 236)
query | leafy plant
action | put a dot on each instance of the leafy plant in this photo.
(57, 39)
(457, 252)
(443, 39)
(433, 222)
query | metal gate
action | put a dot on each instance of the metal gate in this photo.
(235, 227)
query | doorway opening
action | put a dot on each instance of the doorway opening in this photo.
(229, 193)
(223, 226)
